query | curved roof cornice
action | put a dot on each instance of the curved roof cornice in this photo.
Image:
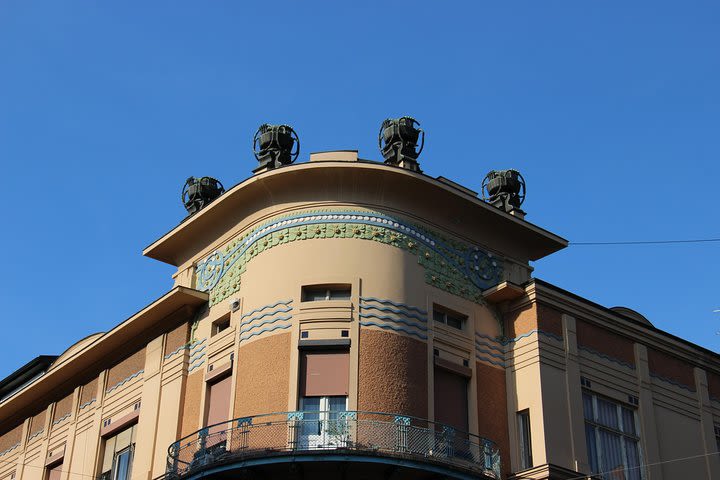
(362, 183)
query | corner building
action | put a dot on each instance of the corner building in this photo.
(343, 318)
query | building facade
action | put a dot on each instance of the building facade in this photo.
(343, 318)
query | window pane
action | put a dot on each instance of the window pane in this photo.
(591, 448)
(607, 414)
(611, 459)
(633, 460)
(438, 316)
(337, 404)
(311, 418)
(588, 407)
(315, 294)
(122, 465)
(628, 421)
(524, 433)
(310, 404)
(109, 454)
(340, 294)
(455, 322)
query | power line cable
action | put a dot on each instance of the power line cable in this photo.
(648, 242)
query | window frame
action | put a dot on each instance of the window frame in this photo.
(220, 325)
(325, 422)
(524, 439)
(624, 436)
(111, 474)
(344, 289)
(130, 450)
(446, 312)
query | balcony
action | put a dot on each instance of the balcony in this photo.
(359, 444)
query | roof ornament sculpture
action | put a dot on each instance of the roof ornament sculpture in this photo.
(504, 189)
(398, 142)
(275, 146)
(197, 193)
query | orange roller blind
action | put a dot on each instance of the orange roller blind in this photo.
(324, 373)
(451, 399)
(219, 403)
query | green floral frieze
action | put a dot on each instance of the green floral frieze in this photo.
(450, 265)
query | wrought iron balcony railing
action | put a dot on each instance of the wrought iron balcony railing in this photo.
(355, 432)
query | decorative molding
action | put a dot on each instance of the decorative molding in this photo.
(606, 357)
(59, 420)
(388, 326)
(488, 360)
(266, 314)
(507, 341)
(273, 315)
(554, 336)
(266, 322)
(270, 305)
(197, 355)
(452, 266)
(672, 382)
(264, 330)
(192, 345)
(394, 304)
(393, 322)
(10, 449)
(122, 382)
(490, 353)
(392, 310)
(89, 402)
(388, 318)
(197, 365)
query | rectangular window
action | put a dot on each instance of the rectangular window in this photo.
(315, 293)
(451, 399)
(448, 317)
(612, 437)
(118, 455)
(523, 426)
(717, 437)
(54, 472)
(220, 325)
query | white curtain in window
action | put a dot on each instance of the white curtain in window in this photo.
(588, 407)
(633, 455)
(592, 448)
(607, 414)
(628, 418)
(612, 458)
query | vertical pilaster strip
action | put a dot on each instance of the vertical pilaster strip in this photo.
(70, 439)
(147, 428)
(49, 417)
(511, 464)
(646, 409)
(20, 462)
(354, 373)
(574, 395)
(707, 424)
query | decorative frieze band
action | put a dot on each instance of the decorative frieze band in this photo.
(450, 265)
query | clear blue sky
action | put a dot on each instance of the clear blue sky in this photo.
(611, 110)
